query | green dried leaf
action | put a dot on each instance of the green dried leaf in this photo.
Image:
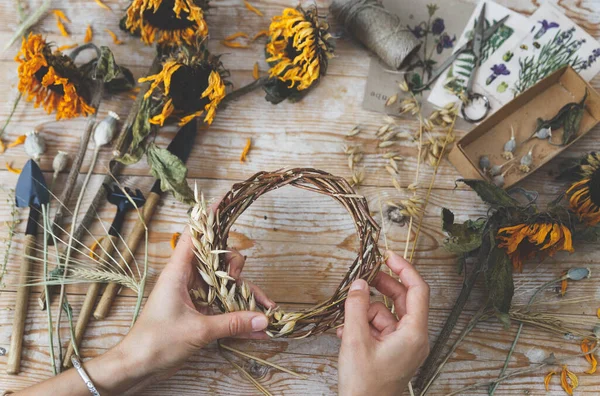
(463, 238)
(491, 193)
(499, 280)
(106, 66)
(171, 172)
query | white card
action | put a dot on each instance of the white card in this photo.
(516, 26)
(552, 41)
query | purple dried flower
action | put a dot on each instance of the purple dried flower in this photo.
(438, 26)
(544, 28)
(445, 41)
(596, 52)
(497, 70)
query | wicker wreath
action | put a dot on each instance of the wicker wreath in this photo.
(210, 231)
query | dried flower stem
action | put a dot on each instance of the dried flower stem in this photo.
(46, 221)
(10, 115)
(28, 23)
(78, 160)
(254, 382)
(514, 343)
(12, 224)
(238, 93)
(261, 361)
(431, 183)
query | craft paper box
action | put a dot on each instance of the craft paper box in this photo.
(543, 100)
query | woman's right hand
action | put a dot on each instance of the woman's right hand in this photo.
(379, 353)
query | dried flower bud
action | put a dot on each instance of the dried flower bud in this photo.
(60, 162)
(484, 163)
(105, 130)
(509, 147)
(35, 145)
(579, 273)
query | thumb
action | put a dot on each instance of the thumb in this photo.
(233, 324)
(356, 322)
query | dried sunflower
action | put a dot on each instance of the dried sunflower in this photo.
(542, 238)
(166, 22)
(189, 85)
(298, 50)
(52, 80)
(584, 194)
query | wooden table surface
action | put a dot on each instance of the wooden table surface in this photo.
(298, 244)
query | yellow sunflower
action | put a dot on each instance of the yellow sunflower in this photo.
(188, 87)
(299, 48)
(541, 238)
(167, 22)
(52, 80)
(584, 195)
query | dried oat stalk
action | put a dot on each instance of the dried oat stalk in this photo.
(210, 231)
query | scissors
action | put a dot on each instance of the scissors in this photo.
(474, 46)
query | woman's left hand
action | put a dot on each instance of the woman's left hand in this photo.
(170, 329)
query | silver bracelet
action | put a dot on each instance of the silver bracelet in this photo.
(84, 376)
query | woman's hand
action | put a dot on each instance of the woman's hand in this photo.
(170, 328)
(379, 353)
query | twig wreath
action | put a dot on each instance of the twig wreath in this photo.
(210, 231)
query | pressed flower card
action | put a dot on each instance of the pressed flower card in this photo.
(552, 41)
(437, 25)
(453, 81)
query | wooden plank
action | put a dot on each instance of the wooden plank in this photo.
(478, 358)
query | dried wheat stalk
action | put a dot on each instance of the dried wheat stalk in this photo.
(210, 231)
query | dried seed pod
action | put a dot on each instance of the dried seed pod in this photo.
(510, 146)
(579, 273)
(391, 170)
(390, 154)
(484, 163)
(499, 179)
(394, 165)
(527, 161)
(105, 130)
(386, 144)
(60, 162)
(35, 145)
(542, 134)
(497, 169)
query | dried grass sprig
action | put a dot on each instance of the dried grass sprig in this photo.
(210, 231)
(11, 225)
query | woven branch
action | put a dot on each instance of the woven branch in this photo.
(210, 232)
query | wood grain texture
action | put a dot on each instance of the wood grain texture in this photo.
(298, 244)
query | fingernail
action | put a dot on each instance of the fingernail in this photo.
(358, 284)
(259, 323)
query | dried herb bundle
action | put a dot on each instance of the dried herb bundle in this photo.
(210, 233)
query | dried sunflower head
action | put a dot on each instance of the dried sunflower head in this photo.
(584, 195)
(542, 237)
(190, 84)
(298, 50)
(52, 80)
(167, 22)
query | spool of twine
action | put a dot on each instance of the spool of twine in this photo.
(378, 29)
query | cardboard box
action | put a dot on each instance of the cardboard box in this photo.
(543, 100)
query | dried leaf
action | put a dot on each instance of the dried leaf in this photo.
(491, 194)
(171, 171)
(499, 280)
